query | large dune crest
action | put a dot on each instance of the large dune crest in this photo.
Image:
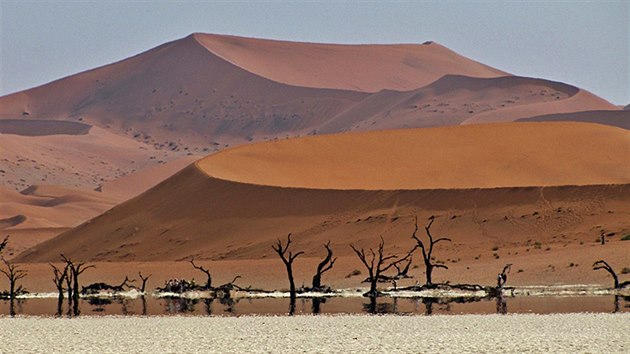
(367, 68)
(481, 156)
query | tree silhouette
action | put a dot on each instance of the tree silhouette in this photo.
(76, 269)
(427, 252)
(208, 285)
(377, 263)
(601, 264)
(13, 274)
(287, 258)
(324, 266)
(59, 278)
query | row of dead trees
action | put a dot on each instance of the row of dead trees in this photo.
(377, 262)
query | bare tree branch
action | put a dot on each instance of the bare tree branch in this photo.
(428, 252)
(601, 264)
(205, 271)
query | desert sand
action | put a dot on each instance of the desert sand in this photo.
(217, 213)
(603, 333)
(536, 194)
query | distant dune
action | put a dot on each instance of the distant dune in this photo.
(367, 68)
(204, 92)
(616, 118)
(50, 206)
(83, 161)
(353, 187)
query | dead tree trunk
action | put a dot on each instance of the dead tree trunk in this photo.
(144, 281)
(13, 274)
(4, 243)
(427, 252)
(69, 284)
(59, 278)
(208, 285)
(287, 258)
(601, 264)
(502, 277)
(323, 267)
(76, 270)
(377, 263)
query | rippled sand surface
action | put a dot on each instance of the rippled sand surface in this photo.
(600, 333)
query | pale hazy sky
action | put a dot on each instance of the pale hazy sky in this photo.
(578, 42)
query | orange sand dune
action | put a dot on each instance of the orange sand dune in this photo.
(506, 155)
(367, 68)
(200, 212)
(617, 118)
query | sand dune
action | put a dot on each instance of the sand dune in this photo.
(124, 127)
(452, 100)
(75, 161)
(367, 68)
(50, 207)
(195, 214)
(131, 185)
(580, 101)
(204, 92)
(617, 118)
(506, 155)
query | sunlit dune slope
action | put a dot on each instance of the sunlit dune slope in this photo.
(481, 156)
(50, 206)
(367, 68)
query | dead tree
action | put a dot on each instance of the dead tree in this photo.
(601, 264)
(144, 281)
(287, 258)
(323, 267)
(4, 243)
(208, 285)
(377, 263)
(76, 269)
(13, 274)
(69, 284)
(96, 288)
(602, 238)
(59, 278)
(502, 277)
(427, 252)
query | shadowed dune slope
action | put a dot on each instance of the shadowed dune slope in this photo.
(454, 99)
(196, 214)
(619, 119)
(367, 68)
(42, 127)
(501, 155)
(179, 90)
